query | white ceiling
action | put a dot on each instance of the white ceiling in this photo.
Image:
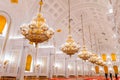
(97, 14)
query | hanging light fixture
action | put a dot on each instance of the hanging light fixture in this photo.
(94, 56)
(37, 31)
(70, 47)
(84, 54)
(93, 59)
(100, 62)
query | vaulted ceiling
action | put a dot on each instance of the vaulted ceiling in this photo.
(102, 16)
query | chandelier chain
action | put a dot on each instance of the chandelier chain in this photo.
(90, 38)
(69, 26)
(41, 3)
(82, 30)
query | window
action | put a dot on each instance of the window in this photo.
(104, 58)
(2, 23)
(28, 63)
(113, 57)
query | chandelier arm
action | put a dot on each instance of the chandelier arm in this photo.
(41, 3)
(82, 30)
(90, 38)
(69, 26)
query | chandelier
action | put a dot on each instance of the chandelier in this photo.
(70, 47)
(100, 62)
(37, 31)
(93, 59)
(84, 54)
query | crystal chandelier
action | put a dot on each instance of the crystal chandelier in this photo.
(84, 54)
(93, 59)
(94, 56)
(37, 31)
(70, 47)
(100, 62)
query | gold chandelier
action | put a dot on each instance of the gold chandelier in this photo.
(100, 62)
(93, 59)
(84, 54)
(97, 60)
(70, 47)
(37, 31)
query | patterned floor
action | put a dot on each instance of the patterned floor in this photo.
(80, 78)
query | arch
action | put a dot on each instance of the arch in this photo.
(6, 17)
(106, 69)
(3, 22)
(104, 57)
(115, 67)
(113, 57)
(97, 69)
(28, 63)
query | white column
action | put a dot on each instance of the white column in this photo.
(21, 68)
(50, 71)
(66, 67)
(76, 69)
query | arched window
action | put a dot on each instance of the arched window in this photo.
(113, 57)
(2, 23)
(104, 57)
(28, 63)
(106, 69)
(115, 69)
(97, 69)
(14, 1)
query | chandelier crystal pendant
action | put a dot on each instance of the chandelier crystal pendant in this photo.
(84, 54)
(70, 47)
(37, 31)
